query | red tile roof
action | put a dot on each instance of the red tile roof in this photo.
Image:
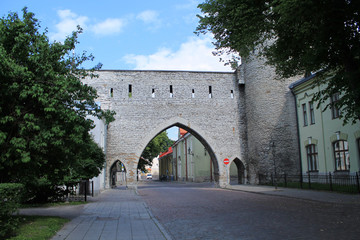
(182, 132)
(169, 151)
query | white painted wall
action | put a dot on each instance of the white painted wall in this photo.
(99, 136)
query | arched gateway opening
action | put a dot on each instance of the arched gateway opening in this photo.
(130, 164)
(188, 158)
(118, 174)
(237, 172)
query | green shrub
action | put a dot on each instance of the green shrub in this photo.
(42, 191)
(10, 195)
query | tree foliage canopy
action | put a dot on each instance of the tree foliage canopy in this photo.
(160, 143)
(297, 37)
(44, 129)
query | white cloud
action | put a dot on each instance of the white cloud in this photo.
(109, 26)
(63, 14)
(195, 54)
(70, 20)
(148, 16)
(68, 23)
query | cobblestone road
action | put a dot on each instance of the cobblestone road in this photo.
(199, 211)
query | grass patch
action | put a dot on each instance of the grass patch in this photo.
(38, 227)
(55, 204)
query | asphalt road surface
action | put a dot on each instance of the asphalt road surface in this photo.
(200, 211)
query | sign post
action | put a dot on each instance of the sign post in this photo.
(226, 162)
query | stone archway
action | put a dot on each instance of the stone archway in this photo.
(148, 102)
(117, 174)
(214, 169)
(239, 176)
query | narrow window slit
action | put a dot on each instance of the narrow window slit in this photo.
(210, 92)
(130, 90)
(171, 91)
(193, 93)
(232, 94)
(111, 92)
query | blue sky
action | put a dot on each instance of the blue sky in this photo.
(127, 35)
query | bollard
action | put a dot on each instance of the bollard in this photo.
(330, 180)
(357, 182)
(85, 189)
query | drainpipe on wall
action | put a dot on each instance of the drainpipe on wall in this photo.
(323, 136)
(186, 171)
(176, 164)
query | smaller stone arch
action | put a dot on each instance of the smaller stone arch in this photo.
(117, 174)
(240, 177)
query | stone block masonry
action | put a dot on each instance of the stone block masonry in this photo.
(226, 117)
(148, 102)
(272, 139)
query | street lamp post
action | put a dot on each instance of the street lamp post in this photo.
(274, 160)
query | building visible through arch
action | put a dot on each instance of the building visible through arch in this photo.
(189, 159)
(221, 109)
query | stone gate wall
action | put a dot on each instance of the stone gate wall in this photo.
(248, 115)
(209, 104)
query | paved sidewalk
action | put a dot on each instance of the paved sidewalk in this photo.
(122, 214)
(320, 196)
(115, 214)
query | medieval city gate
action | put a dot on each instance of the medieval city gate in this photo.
(207, 104)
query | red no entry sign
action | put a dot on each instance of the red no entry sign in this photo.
(226, 161)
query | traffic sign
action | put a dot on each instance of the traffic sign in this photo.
(226, 161)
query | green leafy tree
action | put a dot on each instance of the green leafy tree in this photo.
(160, 143)
(44, 129)
(297, 37)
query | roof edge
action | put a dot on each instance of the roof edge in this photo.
(301, 81)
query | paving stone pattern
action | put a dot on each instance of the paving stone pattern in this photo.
(196, 211)
(116, 214)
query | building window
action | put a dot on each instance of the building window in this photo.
(210, 92)
(341, 155)
(305, 114)
(312, 157)
(335, 112)
(231, 93)
(312, 113)
(193, 93)
(171, 91)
